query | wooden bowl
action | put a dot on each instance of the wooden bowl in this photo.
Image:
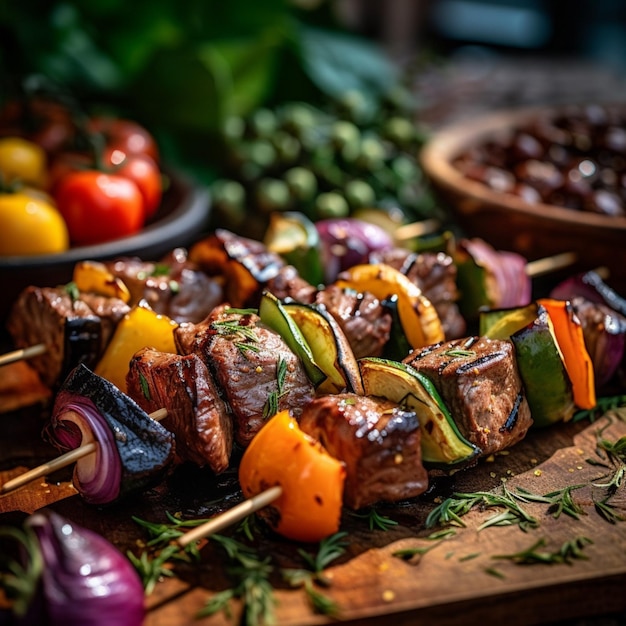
(507, 222)
(183, 214)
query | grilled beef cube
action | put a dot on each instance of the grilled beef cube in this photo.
(109, 310)
(72, 332)
(604, 330)
(289, 284)
(479, 382)
(252, 365)
(435, 274)
(196, 414)
(379, 441)
(362, 317)
(174, 287)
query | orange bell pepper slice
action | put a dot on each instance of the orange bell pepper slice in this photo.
(418, 316)
(312, 481)
(569, 335)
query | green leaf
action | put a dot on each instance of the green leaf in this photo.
(338, 63)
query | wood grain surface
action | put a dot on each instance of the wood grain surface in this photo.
(457, 581)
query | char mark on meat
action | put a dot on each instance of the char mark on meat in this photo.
(174, 286)
(363, 318)
(253, 367)
(378, 440)
(72, 332)
(196, 414)
(436, 275)
(479, 381)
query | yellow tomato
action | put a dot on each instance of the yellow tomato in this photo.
(22, 161)
(309, 507)
(30, 226)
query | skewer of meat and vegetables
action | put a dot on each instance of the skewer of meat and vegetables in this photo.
(403, 399)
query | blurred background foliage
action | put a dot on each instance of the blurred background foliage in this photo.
(184, 67)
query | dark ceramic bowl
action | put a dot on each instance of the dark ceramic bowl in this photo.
(181, 219)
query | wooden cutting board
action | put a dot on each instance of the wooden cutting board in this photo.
(457, 581)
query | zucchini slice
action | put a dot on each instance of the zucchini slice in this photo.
(329, 345)
(274, 315)
(443, 445)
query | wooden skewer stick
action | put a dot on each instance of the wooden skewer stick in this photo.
(62, 461)
(550, 264)
(228, 518)
(24, 353)
(416, 229)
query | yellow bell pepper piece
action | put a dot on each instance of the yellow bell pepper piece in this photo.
(139, 328)
(419, 318)
(94, 277)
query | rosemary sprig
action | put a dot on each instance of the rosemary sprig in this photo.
(560, 501)
(607, 403)
(415, 554)
(375, 520)
(271, 403)
(568, 551)
(329, 549)
(607, 512)
(253, 586)
(452, 509)
(20, 581)
(152, 568)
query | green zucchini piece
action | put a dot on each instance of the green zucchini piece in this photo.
(273, 314)
(329, 345)
(502, 323)
(541, 366)
(443, 445)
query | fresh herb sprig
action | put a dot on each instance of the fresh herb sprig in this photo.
(569, 551)
(375, 520)
(603, 405)
(252, 585)
(450, 511)
(560, 501)
(20, 581)
(309, 579)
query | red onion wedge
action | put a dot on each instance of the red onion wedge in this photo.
(86, 580)
(134, 450)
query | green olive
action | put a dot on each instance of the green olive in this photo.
(331, 204)
(359, 194)
(399, 130)
(234, 128)
(263, 122)
(272, 194)
(287, 146)
(405, 168)
(302, 183)
(262, 153)
(297, 117)
(372, 153)
(346, 139)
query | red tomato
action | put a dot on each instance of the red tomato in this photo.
(126, 135)
(99, 207)
(144, 172)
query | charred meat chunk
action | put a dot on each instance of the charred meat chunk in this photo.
(362, 317)
(479, 382)
(175, 286)
(435, 274)
(378, 440)
(69, 327)
(255, 369)
(196, 414)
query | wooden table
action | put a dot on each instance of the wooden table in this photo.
(456, 582)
